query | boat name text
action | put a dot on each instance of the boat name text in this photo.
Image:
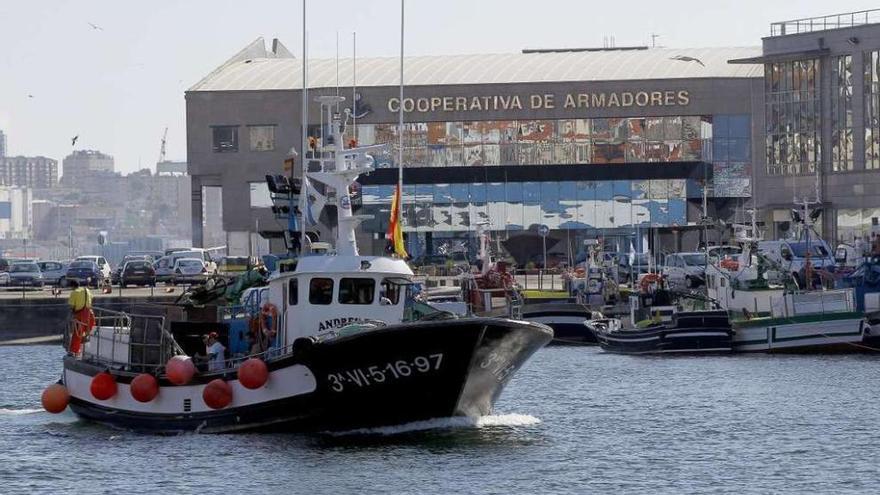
(382, 372)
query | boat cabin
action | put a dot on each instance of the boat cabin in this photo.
(328, 292)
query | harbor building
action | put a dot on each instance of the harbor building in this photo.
(16, 215)
(821, 123)
(3, 150)
(610, 143)
(631, 145)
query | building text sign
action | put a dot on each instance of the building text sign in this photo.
(543, 101)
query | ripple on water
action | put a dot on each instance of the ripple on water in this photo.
(573, 420)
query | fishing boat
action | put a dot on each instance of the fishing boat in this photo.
(658, 326)
(771, 312)
(349, 352)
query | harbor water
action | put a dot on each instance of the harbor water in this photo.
(574, 420)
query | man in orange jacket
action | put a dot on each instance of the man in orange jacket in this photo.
(80, 302)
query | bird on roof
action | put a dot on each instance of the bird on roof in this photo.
(30, 95)
(95, 26)
(73, 140)
(685, 58)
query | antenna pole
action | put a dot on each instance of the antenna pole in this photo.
(400, 114)
(305, 142)
(354, 85)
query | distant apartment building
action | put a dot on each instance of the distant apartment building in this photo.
(2, 144)
(36, 172)
(86, 163)
(15, 213)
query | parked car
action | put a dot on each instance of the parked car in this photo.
(791, 256)
(116, 276)
(53, 272)
(189, 270)
(163, 268)
(25, 274)
(4, 264)
(685, 269)
(101, 262)
(84, 272)
(4, 279)
(138, 272)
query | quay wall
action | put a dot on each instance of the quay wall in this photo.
(40, 317)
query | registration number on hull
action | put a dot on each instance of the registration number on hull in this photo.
(390, 371)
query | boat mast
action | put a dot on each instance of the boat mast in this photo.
(400, 125)
(304, 194)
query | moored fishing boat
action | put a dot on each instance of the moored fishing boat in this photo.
(348, 351)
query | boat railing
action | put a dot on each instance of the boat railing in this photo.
(135, 342)
(813, 303)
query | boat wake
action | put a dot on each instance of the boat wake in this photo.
(17, 412)
(499, 420)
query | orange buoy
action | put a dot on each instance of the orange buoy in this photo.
(217, 394)
(180, 370)
(55, 398)
(253, 373)
(144, 387)
(103, 386)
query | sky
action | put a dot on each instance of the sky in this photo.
(115, 72)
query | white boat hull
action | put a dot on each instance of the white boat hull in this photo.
(822, 335)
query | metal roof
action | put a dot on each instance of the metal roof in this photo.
(256, 69)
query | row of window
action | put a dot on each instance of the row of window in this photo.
(351, 291)
(225, 138)
(793, 143)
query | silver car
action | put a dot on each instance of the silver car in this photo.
(25, 274)
(53, 272)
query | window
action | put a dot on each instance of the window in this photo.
(356, 290)
(390, 291)
(260, 197)
(262, 137)
(292, 292)
(225, 138)
(321, 291)
(841, 114)
(871, 63)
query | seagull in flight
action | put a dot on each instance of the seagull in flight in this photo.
(95, 26)
(685, 58)
(73, 140)
(30, 95)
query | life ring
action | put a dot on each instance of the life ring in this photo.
(647, 280)
(580, 272)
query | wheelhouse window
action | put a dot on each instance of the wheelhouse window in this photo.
(262, 137)
(357, 290)
(292, 292)
(225, 138)
(391, 291)
(321, 291)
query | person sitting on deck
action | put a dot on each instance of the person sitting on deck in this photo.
(80, 302)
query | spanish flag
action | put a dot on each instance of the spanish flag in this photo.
(395, 231)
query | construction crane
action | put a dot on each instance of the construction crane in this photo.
(162, 149)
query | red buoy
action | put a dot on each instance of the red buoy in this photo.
(180, 370)
(217, 394)
(103, 386)
(253, 373)
(144, 387)
(55, 398)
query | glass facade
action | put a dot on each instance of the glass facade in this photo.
(732, 155)
(841, 114)
(793, 113)
(872, 109)
(857, 223)
(540, 142)
(571, 205)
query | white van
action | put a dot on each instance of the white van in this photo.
(197, 253)
(791, 255)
